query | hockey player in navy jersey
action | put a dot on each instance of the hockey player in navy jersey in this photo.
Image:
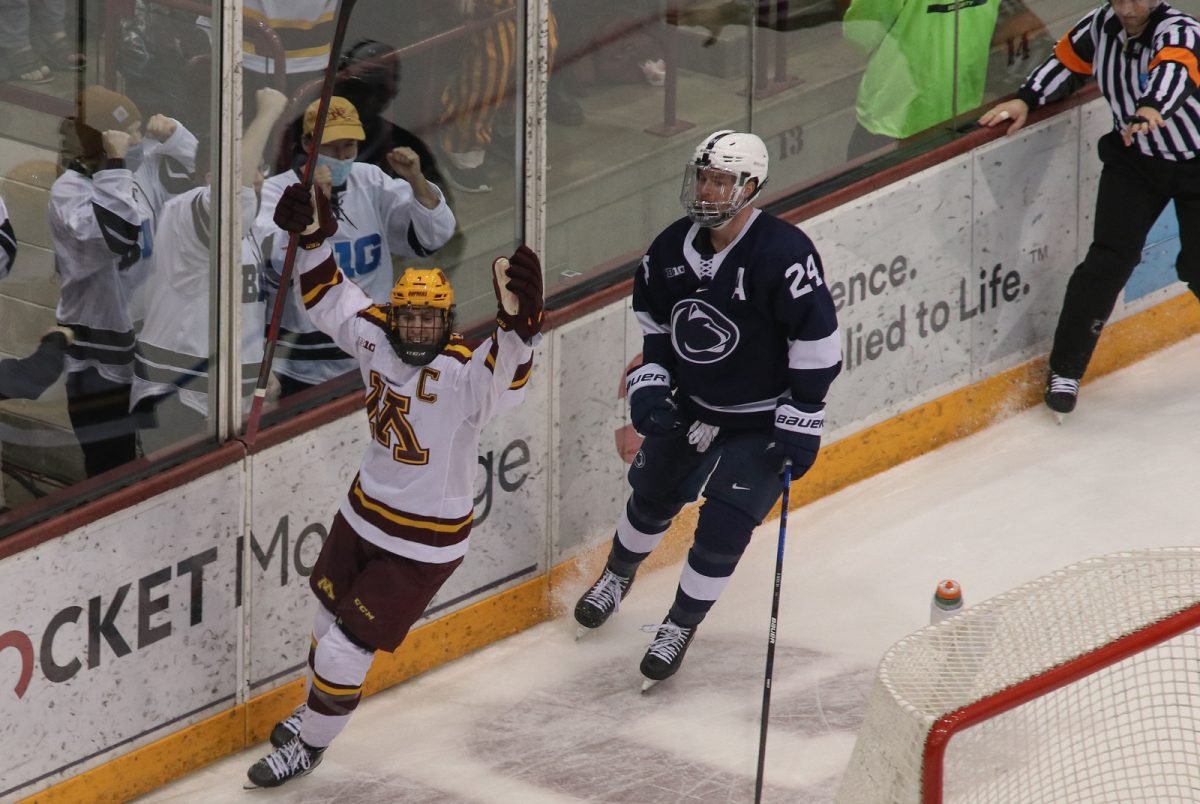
(403, 528)
(740, 345)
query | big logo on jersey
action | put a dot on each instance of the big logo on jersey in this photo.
(701, 333)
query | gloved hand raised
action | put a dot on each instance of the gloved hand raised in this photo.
(294, 213)
(651, 407)
(517, 281)
(797, 436)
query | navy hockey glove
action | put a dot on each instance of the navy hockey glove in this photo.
(294, 213)
(651, 407)
(797, 434)
(520, 295)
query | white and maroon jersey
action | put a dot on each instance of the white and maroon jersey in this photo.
(378, 218)
(95, 226)
(8, 242)
(173, 345)
(415, 489)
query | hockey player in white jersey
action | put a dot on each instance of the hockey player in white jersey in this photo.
(404, 526)
(378, 218)
(171, 368)
(740, 343)
(101, 226)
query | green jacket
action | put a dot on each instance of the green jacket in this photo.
(908, 85)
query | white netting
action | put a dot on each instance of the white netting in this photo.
(1126, 733)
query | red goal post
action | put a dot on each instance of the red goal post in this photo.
(1083, 685)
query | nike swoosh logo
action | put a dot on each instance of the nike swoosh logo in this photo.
(739, 487)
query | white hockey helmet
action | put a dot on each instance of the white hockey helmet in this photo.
(710, 200)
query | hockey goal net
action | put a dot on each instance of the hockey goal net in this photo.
(1082, 686)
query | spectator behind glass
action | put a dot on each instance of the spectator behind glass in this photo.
(475, 92)
(926, 63)
(171, 372)
(370, 81)
(94, 229)
(305, 29)
(378, 218)
(101, 217)
(34, 41)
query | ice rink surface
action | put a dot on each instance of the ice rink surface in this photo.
(543, 719)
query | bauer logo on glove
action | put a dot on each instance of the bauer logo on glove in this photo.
(797, 435)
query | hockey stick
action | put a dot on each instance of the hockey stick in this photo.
(345, 7)
(766, 704)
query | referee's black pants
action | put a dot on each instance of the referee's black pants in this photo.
(1134, 190)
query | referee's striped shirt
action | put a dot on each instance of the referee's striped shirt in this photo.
(1159, 68)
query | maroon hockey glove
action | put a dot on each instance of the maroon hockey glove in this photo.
(524, 289)
(294, 213)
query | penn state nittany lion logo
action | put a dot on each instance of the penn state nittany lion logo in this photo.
(701, 333)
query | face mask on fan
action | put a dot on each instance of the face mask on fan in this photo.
(339, 168)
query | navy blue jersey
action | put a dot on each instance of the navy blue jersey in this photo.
(741, 328)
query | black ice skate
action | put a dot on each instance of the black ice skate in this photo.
(288, 728)
(1061, 394)
(665, 653)
(599, 602)
(290, 760)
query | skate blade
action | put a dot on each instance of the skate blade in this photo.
(647, 683)
(1059, 418)
(582, 631)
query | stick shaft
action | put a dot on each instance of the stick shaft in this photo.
(770, 669)
(345, 7)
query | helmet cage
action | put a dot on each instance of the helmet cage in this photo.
(716, 178)
(416, 338)
(717, 208)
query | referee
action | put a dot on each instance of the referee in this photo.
(1145, 56)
